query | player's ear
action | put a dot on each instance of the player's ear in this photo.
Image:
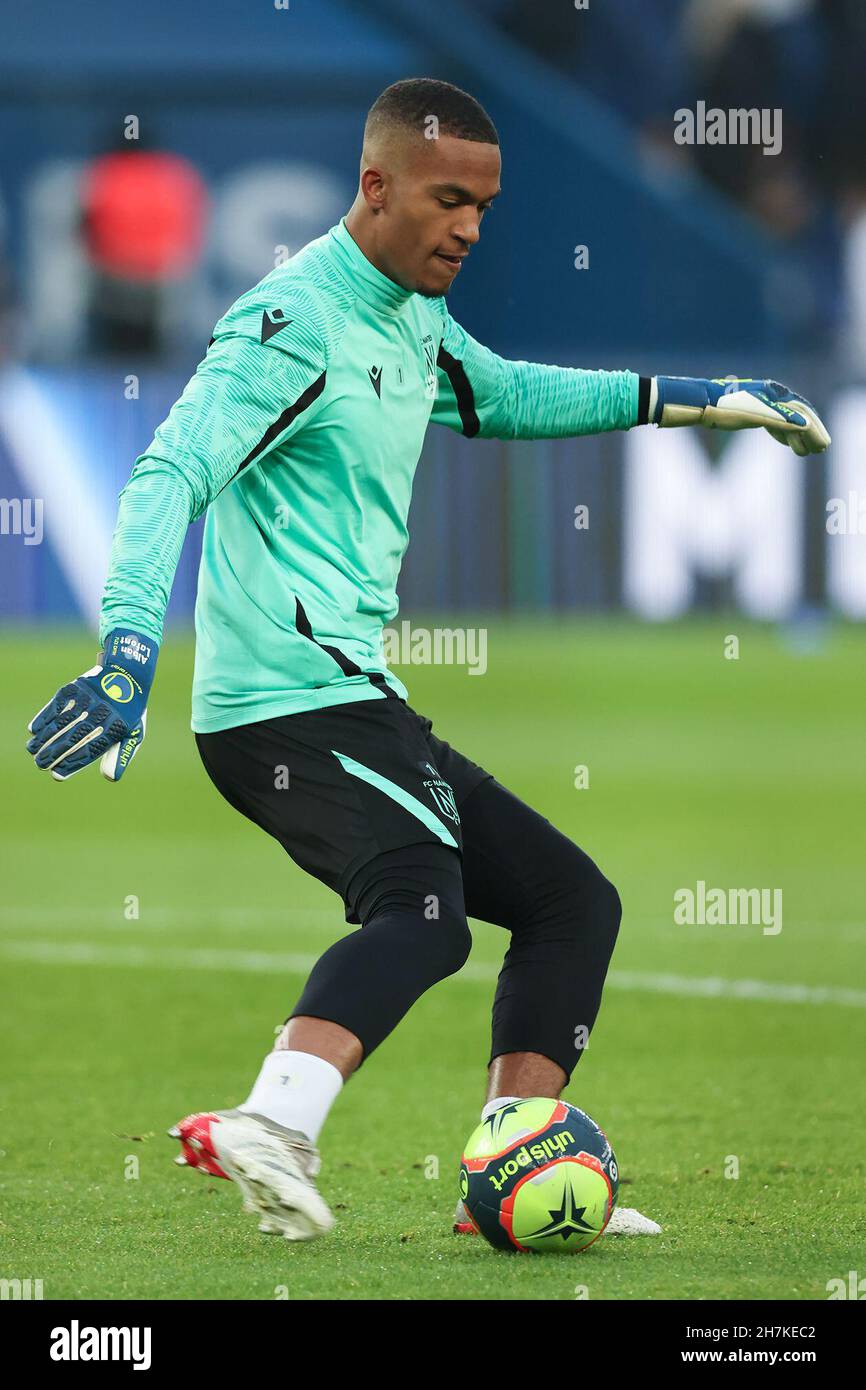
(373, 188)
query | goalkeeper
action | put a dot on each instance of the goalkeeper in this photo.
(299, 436)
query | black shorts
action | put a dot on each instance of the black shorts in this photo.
(339, 786)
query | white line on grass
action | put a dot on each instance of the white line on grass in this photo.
(12, 918)
(716, 987)
(282, 962)
(291, 918)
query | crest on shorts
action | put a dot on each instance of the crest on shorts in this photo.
(442, 794)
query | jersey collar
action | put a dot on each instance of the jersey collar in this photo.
(371, 285)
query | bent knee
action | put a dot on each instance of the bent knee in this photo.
(593, 903)
(453, 944)
(609, 905)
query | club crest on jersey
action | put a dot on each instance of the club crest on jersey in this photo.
(441, 793)
(429, 366)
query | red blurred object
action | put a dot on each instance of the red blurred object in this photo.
(144, 214)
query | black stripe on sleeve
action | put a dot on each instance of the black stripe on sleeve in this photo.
(304, 401)
(463, 394)
(643, 400)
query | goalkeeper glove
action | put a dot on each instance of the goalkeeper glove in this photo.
(101, 715)
(734, 403)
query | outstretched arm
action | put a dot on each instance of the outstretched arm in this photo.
(482, 394)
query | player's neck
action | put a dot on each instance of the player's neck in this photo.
(361, 226)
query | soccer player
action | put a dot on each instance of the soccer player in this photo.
(299, 435)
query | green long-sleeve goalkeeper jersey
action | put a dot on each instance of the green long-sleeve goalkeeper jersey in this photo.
(299, 435)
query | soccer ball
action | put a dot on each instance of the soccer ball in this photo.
(539, 1175)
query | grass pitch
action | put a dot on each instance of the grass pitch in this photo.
(151, 939)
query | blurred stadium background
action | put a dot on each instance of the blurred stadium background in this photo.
(154, 971)
(118, 255)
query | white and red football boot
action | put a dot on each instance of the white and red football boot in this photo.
(273, 1167)
(463, 1223)
(625, 1221)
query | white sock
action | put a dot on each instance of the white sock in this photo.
(295, 1090)
(495, 1104)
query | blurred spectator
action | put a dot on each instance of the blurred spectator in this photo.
(854, 278)
(776, 55)
(624, 52)
(143, 220)
(647, 58)
(840, 161)
(759, 54)
(841, 119)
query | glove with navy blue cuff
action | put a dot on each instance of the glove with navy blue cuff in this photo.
(101, 714)
(735, 403)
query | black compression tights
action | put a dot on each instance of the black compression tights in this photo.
(518, 872)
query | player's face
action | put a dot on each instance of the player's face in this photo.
(434, 211)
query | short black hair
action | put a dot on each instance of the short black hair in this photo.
(411, 102)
